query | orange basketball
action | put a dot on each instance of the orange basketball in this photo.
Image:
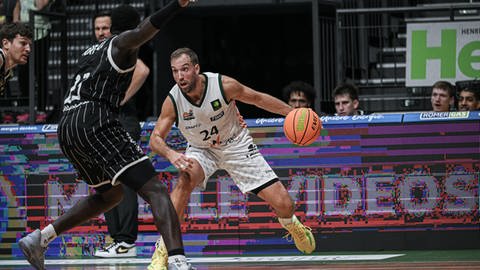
(302, 126)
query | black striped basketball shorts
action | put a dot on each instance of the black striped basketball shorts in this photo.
(100, 149)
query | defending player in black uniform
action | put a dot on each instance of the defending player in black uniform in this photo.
(100, 149)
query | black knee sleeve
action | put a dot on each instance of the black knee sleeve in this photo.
(139, 174)
(103, 188)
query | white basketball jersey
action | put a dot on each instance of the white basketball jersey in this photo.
(213, 122)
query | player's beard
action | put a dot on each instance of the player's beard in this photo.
(189, 88)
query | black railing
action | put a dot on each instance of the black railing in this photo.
(48, 66)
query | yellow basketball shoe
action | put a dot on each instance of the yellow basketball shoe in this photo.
(160, 256)
(302, 236)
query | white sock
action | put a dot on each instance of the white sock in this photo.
(287, 221)
(176, 258)
(48, 234)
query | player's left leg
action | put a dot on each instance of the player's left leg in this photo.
(90, 207)
(251, 172)
(277, 196)
(180, 197)
(34, 244)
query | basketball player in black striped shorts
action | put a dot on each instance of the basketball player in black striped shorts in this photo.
(95, 142)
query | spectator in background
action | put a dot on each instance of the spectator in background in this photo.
(345, 96)
(41, 43)
(469, 95)
(16, 41)
(443, 96)
(122, 220)
(299, 94)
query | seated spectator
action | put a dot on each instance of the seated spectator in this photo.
(299, 94)
(345, 96)
(443, 96)
(469, 95)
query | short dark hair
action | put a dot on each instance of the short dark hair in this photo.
(99, 14)
(11, 30)
(346, 89)
(193, 56)
(472, 86)
(445, 86)
(300, 86)
(124, 17)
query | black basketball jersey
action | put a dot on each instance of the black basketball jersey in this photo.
(98, 78)
(89, 133)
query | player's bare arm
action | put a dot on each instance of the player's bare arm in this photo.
(149, 27)
(237, 91)
(140, 75)
(125, 46)
(157, 139)
(40, 4)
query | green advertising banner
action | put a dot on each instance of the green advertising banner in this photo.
(442, 51)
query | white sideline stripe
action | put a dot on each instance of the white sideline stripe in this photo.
(209, 260)
(293, 258)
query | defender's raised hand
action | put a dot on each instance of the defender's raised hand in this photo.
(184, 3)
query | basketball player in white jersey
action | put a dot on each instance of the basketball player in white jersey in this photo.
(203, 107)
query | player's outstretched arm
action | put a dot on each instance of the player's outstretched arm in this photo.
(127, 43)
(237, 91)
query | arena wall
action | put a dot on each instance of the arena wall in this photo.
(374, 182)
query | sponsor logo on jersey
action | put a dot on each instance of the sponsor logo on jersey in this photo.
(252, 151)
(188, 115)
(216, 105)
(194, 126)
(218, 116)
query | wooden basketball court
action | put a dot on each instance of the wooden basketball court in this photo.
(333, 262)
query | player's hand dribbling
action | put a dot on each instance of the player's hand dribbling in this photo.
(181, 162)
